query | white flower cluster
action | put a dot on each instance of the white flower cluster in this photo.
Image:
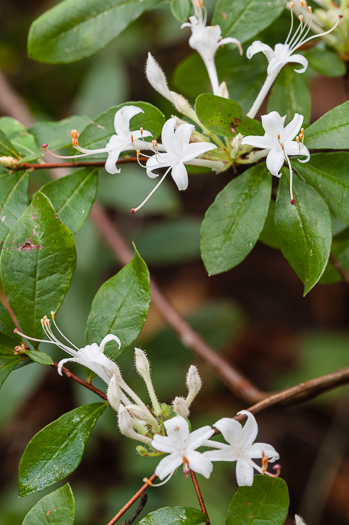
(148, 425)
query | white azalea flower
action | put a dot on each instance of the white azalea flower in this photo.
(123, 140)
(279, 142)
(241, 448)
(180, 444)
(92, 356)
(178, 151)
(283, 54)
(206, 40)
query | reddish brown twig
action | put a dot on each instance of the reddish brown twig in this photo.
(234, 379)
(339, 268)
(144, 497)
(133, 499)
(53, 165)
(69, 374)
(199, 495)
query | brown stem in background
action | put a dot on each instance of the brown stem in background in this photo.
(234, 379)
(12, 104)
(139, 509)
(339, 268)
(199, 495)
(133, 499)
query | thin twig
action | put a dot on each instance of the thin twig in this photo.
(53, 165)
(12, 104)
(234, 379)
(337, 266)
(199, 495)
(70, 375)
(134, 498)
(139, 509)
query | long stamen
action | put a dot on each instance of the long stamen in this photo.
(134, 210)
(291, 179)
(16, 331)
(319, 35)
(291, 28)
(58, 330)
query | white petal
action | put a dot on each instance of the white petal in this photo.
(164, 444)
(273, 123)
(292, 148)
(182, 137)
(299, 59)
(168, 465)
(257, 141)
(107, 339)
(230, 40)
(275, 160)
(244, 474)
(180, 176)
(177, 428)
(122, 119)
(199, 464)
(224, 454)
(113, 157)
(255, 451)
(197, 438)
(231, 430)
(257, 47)
(60, 364)
(161, 160)
(195, 149)
(292, 129)
(167, 133)
(250, 428)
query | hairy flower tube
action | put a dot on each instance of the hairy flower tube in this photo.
(278, 142)
(178, 151)
(92, 356)
(122, 140)
(206, 40)
(283, 54)
(241, 448)
(180, 444)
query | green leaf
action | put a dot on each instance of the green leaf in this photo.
(75, 29)
(57, 134)
(73, 196)
(325, 62)
(6, 147)
(285, 95)
(97, 134)
(7, 337)
(57, 449)
(243, 77)
(243, 19)
(268, 235)
(9, 360)
(14, 200)
(181, 9)
(37, 264)
(234, 221)
(39, 357)
(21, 139)
(225, 117)
(120, 306)
(328, 174)
(304, 230)
(266, 502)
(170, 242)
(57, 508)
(174, 516)
(331, 131)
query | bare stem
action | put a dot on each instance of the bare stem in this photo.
(133, 499)
(199, 495)
(339, 268)
(54, 165)
(69, 374)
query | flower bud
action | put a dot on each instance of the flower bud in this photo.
(299, 520)
(180, 103)
(223, 90)
(180, 406)
(156, 77)
(193, 383)
(139, 413)
(125, 422)
(114, 394)
(142, 363)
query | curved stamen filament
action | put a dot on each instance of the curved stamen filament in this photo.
(134, 210)
(61, 333)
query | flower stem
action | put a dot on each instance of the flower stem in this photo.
(269, 81)
(199, 495)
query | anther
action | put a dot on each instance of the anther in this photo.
(300, 18)
(292, 5)
(148, 482)
(154, 143)
(279, 136)
(282, 145)
(310, 9)
(302, 3)
(264, 462)
(131, 137)
(74, 137)
(141, 130)
(53, 315)
(297, 139)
